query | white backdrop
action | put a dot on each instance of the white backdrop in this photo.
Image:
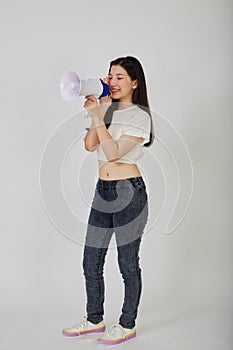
(186, 50)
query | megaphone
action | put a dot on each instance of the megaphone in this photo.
(72, 85)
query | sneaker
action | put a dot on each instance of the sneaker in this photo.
(116, 335)
(84, 327)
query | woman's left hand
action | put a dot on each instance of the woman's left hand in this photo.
(105, 101)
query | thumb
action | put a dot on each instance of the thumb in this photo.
(106, 80)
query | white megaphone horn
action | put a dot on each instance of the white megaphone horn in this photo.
(72, 85)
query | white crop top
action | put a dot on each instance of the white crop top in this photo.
(131, 121)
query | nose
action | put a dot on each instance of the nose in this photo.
(112, 81)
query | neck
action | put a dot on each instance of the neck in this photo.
(124, 105)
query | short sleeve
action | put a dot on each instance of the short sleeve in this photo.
(139, 125)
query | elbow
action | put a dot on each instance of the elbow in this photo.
(90, 147)
(112, 158)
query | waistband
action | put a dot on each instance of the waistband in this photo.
(133, 180)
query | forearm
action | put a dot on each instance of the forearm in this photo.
(91, 139)
(97, 112)
(109, 146)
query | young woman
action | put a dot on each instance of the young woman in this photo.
(121, 126)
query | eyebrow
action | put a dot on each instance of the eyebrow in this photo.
(117, 74)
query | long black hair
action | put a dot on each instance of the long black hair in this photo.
(135, 71)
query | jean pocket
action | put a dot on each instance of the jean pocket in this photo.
(139, 185)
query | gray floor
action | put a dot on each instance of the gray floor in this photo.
(178, 327)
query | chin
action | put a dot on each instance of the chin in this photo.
(115, 95)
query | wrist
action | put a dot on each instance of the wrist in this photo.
(97, 121)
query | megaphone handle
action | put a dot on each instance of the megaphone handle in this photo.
(106, 90)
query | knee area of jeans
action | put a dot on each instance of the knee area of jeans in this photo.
(128, 271)
(92, 275)
(92, 271)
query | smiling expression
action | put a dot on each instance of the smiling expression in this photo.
(121, 85)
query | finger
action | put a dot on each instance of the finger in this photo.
(105, 80)
(90, 96)
(87, 103)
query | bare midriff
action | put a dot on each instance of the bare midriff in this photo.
(117, 171)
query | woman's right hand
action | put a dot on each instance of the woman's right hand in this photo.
(90, 102)
(92, 106)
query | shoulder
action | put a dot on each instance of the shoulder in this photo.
(132, 116)
(135, 113)
(139, 116)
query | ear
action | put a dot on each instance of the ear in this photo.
(135, 84)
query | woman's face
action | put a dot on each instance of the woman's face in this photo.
(121, 85)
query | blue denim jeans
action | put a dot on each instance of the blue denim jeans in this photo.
(120, 207)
